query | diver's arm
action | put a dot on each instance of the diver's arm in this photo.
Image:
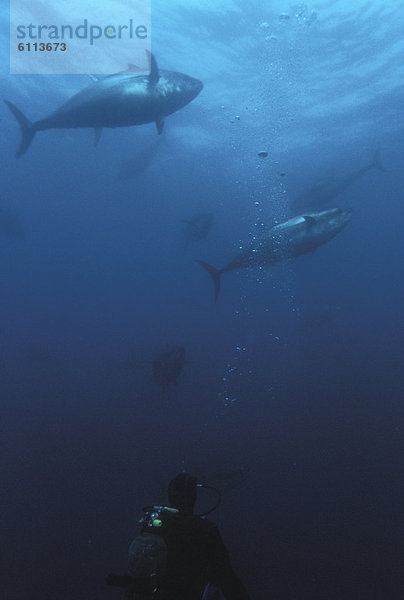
(232, 587)
(223, 574)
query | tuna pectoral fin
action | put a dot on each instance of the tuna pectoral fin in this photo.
(97, 135)
(214, 273)
(160, 125)
(310, 221)
(377, 163)
(27, 129)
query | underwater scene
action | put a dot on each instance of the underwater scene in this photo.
(202, 272)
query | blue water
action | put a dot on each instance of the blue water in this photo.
(296, 373)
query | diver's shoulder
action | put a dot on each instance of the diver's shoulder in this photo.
(197, 521)
(204, 525)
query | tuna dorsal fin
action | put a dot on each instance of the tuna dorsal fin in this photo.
(376, 162)
(154, 71)
(97, 135)
(310, 221)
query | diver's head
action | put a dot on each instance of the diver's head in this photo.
(182, 493)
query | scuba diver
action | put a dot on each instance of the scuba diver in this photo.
(179, 555)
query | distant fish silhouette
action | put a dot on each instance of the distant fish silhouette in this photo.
(327, 189)
(321, 319)
(198, 227)
(168, 365)
(132, 167)
(132, 69)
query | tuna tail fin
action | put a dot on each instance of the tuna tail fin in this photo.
(215, 275)
(27, 129)
(377, 163)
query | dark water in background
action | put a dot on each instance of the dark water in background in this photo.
(296, 373)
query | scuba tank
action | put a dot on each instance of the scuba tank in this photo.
(147, 555)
